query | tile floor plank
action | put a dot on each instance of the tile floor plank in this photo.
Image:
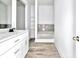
(42, 50)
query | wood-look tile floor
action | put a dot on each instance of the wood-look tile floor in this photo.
(42, 50)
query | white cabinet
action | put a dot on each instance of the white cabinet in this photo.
(23, 49)
(5, 46)
(9, 54)
(16, 47)
(13, 52)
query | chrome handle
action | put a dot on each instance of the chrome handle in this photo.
(16, 51)
(17, 40)
(76, 38)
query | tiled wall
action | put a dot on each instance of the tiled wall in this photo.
(45, 27)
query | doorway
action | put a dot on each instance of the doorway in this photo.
(20, 20)
(44, 21)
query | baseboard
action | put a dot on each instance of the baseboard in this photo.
(59, 51)
(44, 40)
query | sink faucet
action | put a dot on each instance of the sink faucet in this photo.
(11, 30)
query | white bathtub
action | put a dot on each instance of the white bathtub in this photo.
(45, 35)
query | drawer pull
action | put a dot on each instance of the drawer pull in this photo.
(17, 40)
(16, 51)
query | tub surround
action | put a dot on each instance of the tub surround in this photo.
(45, 33)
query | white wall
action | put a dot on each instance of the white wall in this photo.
(45, 14)
(77, 28)
(32, 22)
(14, 8)
(64, 17)
(32, 11)
(3, 13)
(28, 14)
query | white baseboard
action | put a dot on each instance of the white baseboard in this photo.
(59, 51)
(44, 40)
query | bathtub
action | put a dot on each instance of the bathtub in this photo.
(46, 35)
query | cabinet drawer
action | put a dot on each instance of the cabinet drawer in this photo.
(6, 46)
(17, 50)
(19, 38)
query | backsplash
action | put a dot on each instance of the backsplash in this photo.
(2, 26)
(45, 27)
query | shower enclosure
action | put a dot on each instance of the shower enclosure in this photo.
(44, 20)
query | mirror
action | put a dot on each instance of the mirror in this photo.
(5, 14)
(20, 19)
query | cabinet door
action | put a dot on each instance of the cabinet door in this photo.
(9, 54)
(24, 46)
(5, 46)
(23, 49)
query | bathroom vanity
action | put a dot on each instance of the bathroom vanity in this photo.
(14, 44)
